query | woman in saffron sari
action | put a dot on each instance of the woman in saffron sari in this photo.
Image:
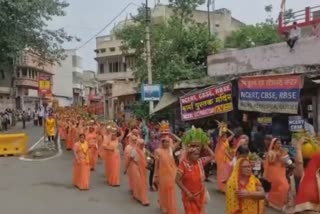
(244, 192)
(275, 173)
(164, 176)
(191, 176)
(92, 139)
(113, 158)
(138, 164)
(81, 164)
(132, 141)
(223, 156)
(70, 135)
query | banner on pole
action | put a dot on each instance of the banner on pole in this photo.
(207, 102)
(270, 94)
(44, 85)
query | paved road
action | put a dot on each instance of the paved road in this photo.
(45, 188)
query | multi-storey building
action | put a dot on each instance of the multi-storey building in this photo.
(67, 86)
(29, 67)
(90, 88)
(115, 68)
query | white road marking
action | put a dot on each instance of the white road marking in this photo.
(60, 152)
(36, 144)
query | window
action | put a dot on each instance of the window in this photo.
(114, 67)
(112, 49)
(24, 72)
(101, 68)
(103, 50)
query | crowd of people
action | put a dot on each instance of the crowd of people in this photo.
(180, 162)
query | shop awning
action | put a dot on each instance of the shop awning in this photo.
(317, 81)
(166, 100)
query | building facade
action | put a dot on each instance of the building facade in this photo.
(6, 89)
(92, 94)
(65, 87)
(115, 68)
(29, 67)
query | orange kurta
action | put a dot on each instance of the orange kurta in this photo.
(81, 167)
(93, 149)
(167, 186)
(113, 162)
(192, 178)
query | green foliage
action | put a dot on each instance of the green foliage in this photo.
(24, 24)
(178, 49)
(195, 136)
(255, 35)
(141, 110)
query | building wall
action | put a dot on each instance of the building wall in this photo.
(221, 20)
(63, 78)
(240, 62)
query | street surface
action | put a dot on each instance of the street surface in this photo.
(45, 188)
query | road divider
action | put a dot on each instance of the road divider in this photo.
(13, 144)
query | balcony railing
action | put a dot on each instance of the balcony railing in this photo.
(307, 17)
(27, 82)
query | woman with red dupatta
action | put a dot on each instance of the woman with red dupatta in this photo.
(191, 176)
(81, 165)
(308, 196)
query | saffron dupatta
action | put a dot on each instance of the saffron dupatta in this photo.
(241, 206)
(308, 196)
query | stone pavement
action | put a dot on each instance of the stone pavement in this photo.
(45, 188)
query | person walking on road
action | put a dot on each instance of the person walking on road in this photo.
(41, 115)
(81, 164)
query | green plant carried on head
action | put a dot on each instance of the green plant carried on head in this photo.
(195, 136)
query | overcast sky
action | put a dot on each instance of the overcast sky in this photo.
(86, 17)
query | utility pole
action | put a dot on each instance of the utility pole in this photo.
(148, 52)
(209, 17)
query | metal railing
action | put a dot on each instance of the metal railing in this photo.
(307, 17)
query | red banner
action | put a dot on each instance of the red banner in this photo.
(44, 85)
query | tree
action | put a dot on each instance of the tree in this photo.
(179, 49)
(255, 35)
(24, 24)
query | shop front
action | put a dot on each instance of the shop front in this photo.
(275, 104)
(204, 107)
